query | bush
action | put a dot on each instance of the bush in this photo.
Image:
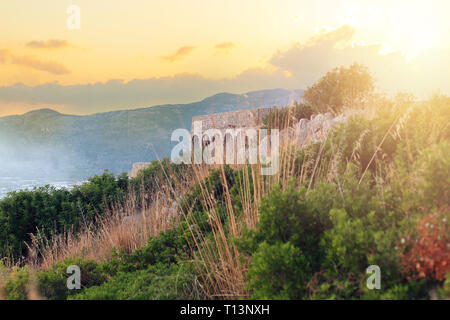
(17, 284)
(355, 243)
(285, 117)
(52, 284)
(167, 248)
(285, 247)
(156, 175)
(54, 211)
(286, 216)
(342, 87)
(212, 186)
(157, 282)
(278, 271)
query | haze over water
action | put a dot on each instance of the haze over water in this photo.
(8, 184)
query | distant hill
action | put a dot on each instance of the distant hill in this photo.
(45, 142)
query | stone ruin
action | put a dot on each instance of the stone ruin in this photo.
(313, 130)
(305, 132)
(236, 119)
(138, 166)
(222, 121)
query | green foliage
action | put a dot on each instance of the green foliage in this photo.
(288, 217)
(157, 282)
(17, 284)
(24, 211)
(53, 211)
(278, 271)
(213, 186)
(355, 243)
(433, 175)
(364, 190)
(157, 271)
(52, 284)
(444, 292)
(154, 177)
(389, 172)
(285, 247)
(94, 196)
(285, 117)
(342, 87)
(403, 290)
(167, 248)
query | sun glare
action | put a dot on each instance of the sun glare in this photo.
(415, 31)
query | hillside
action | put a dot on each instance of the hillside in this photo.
(359, 209)
(48, 143)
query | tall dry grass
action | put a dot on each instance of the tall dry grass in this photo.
(126, 225)
(221, 267)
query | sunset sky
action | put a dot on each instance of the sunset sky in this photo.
(138, 53)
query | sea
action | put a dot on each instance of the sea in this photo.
(8, 184)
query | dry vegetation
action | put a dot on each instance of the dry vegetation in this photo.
(221, 265)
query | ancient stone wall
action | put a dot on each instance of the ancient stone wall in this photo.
(236, 119)
(138, 166)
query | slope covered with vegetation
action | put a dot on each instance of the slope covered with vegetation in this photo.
(374, 192)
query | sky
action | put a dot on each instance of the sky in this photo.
(139, 53)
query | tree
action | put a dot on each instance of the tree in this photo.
(340, 88)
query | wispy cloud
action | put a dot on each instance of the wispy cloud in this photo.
(179, 54)
(33, 63)
(224, 47)
(296, 67)
(49, 44)
(330, 48)
(4, 54)
(47, 66)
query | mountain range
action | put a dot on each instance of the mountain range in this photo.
(47, 143)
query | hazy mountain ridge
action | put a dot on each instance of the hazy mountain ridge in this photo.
(45, 142)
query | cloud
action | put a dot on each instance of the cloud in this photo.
(4, 54)
(316, 56)
(49, 44)
(331, 48)
(294, 68)
(179, 54)
(224, 47)
(33, 63)
(118, 94)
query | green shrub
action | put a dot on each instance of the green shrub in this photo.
(355, 243)
(213, 186)
(167, 249)
(444, 292)
(52, 284)
(278, 271)
(157, 174)
(433, 175)
(157, 282)
(286, 216)
(53, 211)
(404, 290)
(17, 284)
(280, 118)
